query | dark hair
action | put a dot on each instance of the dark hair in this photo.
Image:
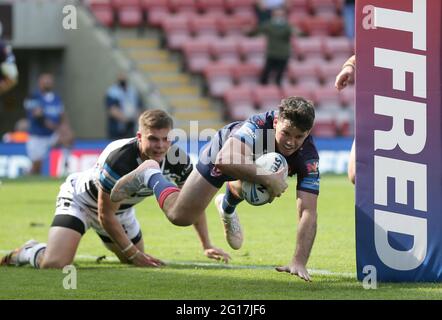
(299, 111)
(154, 119)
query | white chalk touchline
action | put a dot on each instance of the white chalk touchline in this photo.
(217, 265)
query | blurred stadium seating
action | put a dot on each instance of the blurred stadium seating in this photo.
(209, 36)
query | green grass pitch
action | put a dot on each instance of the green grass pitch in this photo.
(26, 210)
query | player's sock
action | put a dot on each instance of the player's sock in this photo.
(161, 187)
(148, 174)
(230, 200)
(34, 254)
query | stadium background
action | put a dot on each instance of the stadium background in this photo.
(188, 57)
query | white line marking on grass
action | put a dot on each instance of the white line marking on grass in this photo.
(218, 265)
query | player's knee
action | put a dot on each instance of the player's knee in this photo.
(181, 220)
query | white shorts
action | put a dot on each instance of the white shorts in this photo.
(73, 214)
(38, 147)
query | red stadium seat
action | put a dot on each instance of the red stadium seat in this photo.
(130, 17)
(295, 17)
(304, 74)
(98, 3)
(298, 91)
(337, 48)
(181, 6)
(328, 71)
(297, 5)
(324, 7)
(129, 12)
(309, 48)
(321, 26)
(246, 74)
(176, 31)
(324, 125)
(239, 103)
(156, 10)
(197, 54)
(230, 25)
(102, 10)
(203, 25)
(328, 98)
(267, 97)
(344, 122)
(117, 4)
(242, 7)
(253, 50)
(104, 16)
(226, 50)
(219, 78)
(210, 6)
(348, 98)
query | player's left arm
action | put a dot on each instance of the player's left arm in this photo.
(307, 204)
(210, 251)
(182, 173)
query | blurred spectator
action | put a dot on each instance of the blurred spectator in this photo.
(8, 68)
(123, 105)
(264, 8)
(48, 124)
(349, 17)
(278, 33)
(20, 133)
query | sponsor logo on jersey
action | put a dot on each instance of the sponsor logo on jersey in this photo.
(215, 172)
(312, 166)
(260, 123)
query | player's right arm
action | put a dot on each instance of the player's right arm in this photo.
(108, 220)
(235, 160)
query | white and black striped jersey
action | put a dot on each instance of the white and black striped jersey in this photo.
(119, 158)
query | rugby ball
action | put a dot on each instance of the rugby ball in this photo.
(257, 194)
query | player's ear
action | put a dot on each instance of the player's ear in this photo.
(139, 136)
(275, 122)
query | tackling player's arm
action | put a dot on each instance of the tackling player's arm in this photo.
(203, 234)
(200, 226)
(108, 220)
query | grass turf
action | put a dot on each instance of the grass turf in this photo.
(26, 212)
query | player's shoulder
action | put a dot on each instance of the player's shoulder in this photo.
(308, 149)
(121, 156)
(263, 120)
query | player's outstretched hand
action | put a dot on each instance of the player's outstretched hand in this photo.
(145, 260)
(345, 77)
(297, 270)
(217, 254)
(277, 184)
